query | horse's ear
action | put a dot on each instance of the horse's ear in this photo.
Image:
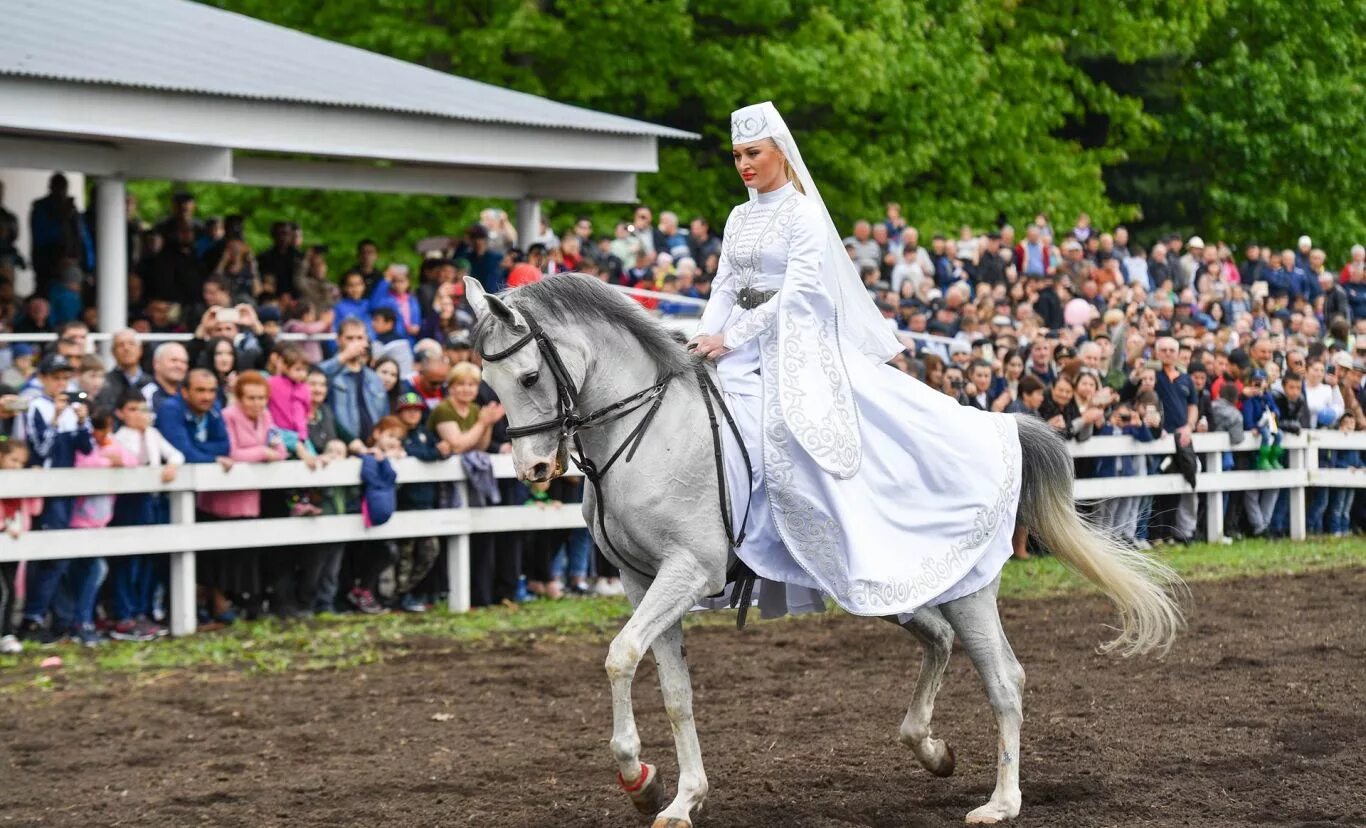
(478, 299)
(485, 303)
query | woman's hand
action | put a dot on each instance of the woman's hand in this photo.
(491, 413)
(709, 346)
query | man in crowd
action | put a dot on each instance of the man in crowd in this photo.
(127, 372)
(281, 261)
(355, 391)
(190, 421)
(170, 362)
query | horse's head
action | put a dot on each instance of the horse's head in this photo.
(530, 387)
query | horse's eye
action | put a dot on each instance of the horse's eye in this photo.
(529, 380)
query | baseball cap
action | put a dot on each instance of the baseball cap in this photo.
(22, 349)
(1195, 241)
(55, 363)
(1342, 359)
(458, 341)
(410, 400)
(1304, 241)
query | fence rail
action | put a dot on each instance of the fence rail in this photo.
(456, 524)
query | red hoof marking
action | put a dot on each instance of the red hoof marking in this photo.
(632, 787)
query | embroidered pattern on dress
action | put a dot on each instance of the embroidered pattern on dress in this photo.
(833, 440)
(938, 573)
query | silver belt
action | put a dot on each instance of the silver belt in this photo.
(749, 298)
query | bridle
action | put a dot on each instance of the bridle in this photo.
(569, 422)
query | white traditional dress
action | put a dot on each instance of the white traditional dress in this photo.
(868, 485)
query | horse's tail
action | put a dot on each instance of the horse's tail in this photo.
(1140, 585)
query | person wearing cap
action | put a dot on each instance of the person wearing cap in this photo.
(416, 555)
(57, 427)
(1261, 413)
(1303, 247)
(486, 263)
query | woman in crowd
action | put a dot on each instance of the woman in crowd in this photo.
(220, 357)
(388, 371)
(237, 267)
(253, 438)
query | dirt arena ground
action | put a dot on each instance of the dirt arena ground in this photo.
(1257, 718)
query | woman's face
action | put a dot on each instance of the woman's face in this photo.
(317, 389)
(1062, 392)
(1086, 386)
(388, 373)
(1148, 380)
(1315, 372)
(354, 287)
(1015, 367)
(935, 376)
(760, 165)
(253, 400)
(224, 358)
(464, 391)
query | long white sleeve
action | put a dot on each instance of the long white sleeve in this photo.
(723, 287)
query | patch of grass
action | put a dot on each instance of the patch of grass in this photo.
(342, 641)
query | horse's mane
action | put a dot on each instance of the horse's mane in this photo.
(574, 299)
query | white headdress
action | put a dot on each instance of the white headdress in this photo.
(860, 320)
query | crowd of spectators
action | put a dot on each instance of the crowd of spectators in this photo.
(1086, 329)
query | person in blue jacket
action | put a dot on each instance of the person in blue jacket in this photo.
(1120, 514)
(192, 422)
(1260, 413)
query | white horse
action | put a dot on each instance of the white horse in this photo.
(574, 361)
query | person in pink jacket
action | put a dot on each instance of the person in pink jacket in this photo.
(253, 438)
(290, 400)
(16, 517)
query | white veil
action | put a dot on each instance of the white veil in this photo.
(859, 320)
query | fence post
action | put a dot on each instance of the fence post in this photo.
(1307, 459)
(458, 561)
(182, 598)
(1214, 499)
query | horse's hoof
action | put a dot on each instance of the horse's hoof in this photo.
(671, 822)
(944, 767)
(647, 793)
(993, 813)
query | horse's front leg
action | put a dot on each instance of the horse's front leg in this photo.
(676, 686)
(659, 606)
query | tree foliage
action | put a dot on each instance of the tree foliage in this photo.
(1227, 116)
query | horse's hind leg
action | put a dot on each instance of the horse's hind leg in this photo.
(975, 619)
(936, 636)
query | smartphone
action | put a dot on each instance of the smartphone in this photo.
(228, 315)
(1155, 364)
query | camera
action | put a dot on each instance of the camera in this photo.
(958, 385)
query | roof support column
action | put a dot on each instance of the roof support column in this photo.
(111, 254)
(528, 221)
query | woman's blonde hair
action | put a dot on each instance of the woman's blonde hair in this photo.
(463, 372)
(787, 168)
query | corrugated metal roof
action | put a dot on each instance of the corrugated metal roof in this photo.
(181, 46)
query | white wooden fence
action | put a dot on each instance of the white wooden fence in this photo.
(456, 524)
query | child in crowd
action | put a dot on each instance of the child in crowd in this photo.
(394, 291)
(90, 378)
(1120, 514)
(133, 578)
(416, 555)
(322, 568)
(23, 359)
(304, 319)
(290, 398)
(16, 515)
(539, 547)
(353, 304)
(95, 511)
(1340, 500)
(373, 557)
(57, 429)
(1260, 413)
(384, 322)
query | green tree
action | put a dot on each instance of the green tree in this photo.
(1226, 116)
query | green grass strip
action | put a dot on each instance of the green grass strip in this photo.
(342, 641)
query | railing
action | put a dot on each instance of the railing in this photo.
(456, 524)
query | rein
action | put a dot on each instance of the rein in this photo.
(569, 422)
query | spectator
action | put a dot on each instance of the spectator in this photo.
(16, 516)
(236, 270)
(486, 263)
(429, 381)
(279, 263)
(416, 555)
(702, 244)
(57, 234)
(1119, 515)
(290, 398)
(1177, 394)
(459, 422)
(358, 396)
(134, 577)
(127, 373)
(367, 264)
(304, 319)
(57, 429)
(353, 304)
(862, 249)
(1340, 500)
(394, 291)
(170, 362)
(220, 358)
